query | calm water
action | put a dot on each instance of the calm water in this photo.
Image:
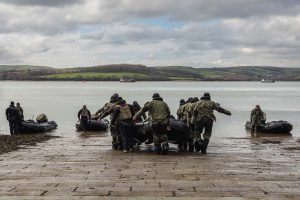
(62, 100)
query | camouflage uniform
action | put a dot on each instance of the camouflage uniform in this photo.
(20, 111)
(180, 110)
(84, 115)
(257, 119)
(124, 114)
(185, 110)
(136, 108)
(191, 123)
(108, 109)
(204, 116)
(160, 114)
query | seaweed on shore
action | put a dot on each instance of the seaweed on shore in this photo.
(11, 143)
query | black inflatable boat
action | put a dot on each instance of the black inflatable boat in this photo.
(273, 127)
(178, 134)
(31, 126)
(94, 125)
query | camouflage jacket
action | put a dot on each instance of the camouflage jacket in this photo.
(107, 109)
(190, 116)
(180, 113)
(205, 108)
(185, 111)
(158, 110)
(257, 116)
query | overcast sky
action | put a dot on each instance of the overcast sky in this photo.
(198, 33)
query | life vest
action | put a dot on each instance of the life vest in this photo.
(125, 113)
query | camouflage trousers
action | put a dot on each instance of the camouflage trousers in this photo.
(191, 136)
(159, 134)
(206, 124)
(116, 137)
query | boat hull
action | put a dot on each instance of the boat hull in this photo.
(30, 126)
(178, 134)
(279, 127)
(94, 125)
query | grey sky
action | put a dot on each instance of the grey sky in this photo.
(199, 33)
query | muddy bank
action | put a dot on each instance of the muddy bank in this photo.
(11, 143)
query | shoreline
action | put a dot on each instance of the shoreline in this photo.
(10, 143)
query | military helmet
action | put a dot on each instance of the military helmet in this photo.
(206, 94)
(114, 97)
(122, 102)
(195, 99)
(182, 101)
(155, 95)
(190, 99)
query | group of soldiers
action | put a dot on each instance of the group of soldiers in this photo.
(196, 114)
(15, 116)
(124, 115)
(199, 116)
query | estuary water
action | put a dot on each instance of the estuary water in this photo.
(60, 101)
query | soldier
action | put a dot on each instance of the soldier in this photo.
(160, 114)
(257, 119)
(185, 109)
(124, 114)
(20, 111)
(191, 123)
(204, 117)
(13, 118)
(108, 109)
(84, 115)
(180, 110)
(139, 113)
(136, 108)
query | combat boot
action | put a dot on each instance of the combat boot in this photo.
(114, 146)
(198, 145)
(165, 148)
(205, 144)
(157, 149)
(191, 145)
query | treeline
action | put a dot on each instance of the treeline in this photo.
(243, 73)
(25, 75)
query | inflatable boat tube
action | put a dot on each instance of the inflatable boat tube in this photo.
(31, 126)
(179, 132)
(94, 125)
(280, 127)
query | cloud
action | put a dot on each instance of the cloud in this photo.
(54, 3)
(192, 32)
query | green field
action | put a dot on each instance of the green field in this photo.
(98, 75)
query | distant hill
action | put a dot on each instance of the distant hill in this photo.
(7, 68)
(144, 73)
